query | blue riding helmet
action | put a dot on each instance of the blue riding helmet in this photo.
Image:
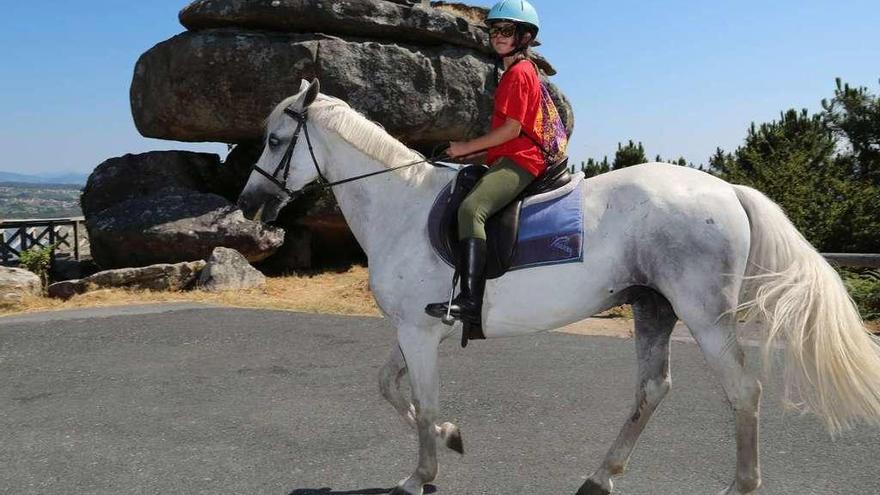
(515, 10)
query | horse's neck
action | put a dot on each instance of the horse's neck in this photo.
(382, 207)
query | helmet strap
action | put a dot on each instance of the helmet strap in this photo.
(513, 52)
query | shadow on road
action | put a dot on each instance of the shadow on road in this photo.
(363, 491)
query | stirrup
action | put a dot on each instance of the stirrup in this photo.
(434, 309)
(447, 319)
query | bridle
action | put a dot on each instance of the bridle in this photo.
(283, 167)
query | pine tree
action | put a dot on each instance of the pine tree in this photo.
(629, 155)
(593, 168)
(854, 115)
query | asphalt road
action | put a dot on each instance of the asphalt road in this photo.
(226, 401)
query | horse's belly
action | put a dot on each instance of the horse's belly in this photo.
(549, 297)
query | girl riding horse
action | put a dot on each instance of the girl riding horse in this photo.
(514, 157)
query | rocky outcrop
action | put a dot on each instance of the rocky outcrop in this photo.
(424, 70)
(160, 277)
(227, 269)
(173, 226)
(159, 207)
(16, 284)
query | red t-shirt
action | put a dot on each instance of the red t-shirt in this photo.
(519, 97)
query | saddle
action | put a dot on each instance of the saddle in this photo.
(502, 229)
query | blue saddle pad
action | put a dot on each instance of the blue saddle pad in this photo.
(551, 231)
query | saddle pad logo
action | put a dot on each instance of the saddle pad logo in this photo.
(561, 243)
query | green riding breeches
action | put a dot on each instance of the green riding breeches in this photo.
(501, 184)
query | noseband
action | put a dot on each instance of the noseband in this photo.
(283, 167)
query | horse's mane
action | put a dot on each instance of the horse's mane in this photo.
(365, 135)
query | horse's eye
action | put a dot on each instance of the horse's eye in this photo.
(274, 142)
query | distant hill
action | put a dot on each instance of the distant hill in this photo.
(68, 178)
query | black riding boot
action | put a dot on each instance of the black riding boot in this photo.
(468, 304)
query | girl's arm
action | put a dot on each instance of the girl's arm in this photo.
(510, 129)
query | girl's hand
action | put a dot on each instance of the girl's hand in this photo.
(458, 149)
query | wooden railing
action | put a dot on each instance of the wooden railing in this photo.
(853, 260)
(68, 235)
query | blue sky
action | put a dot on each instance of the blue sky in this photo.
(681, 76)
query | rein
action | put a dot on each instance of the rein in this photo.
(322, 182)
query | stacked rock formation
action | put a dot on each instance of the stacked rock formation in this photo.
(425, 72)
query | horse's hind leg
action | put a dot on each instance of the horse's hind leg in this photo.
(390, 377)
(724, 355)
(654, 320)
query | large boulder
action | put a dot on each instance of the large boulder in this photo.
(160, 277)
(16, 284)
(169, 185)
(175, 225)
(199, 86)
(168, 207)
(132, 176)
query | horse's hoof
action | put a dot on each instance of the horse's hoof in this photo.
(592, 488)
(452, 437)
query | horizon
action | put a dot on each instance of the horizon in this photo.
(683, 78)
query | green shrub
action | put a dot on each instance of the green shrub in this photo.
(38, 260)
(864, 287)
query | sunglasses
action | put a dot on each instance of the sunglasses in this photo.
(506, 31)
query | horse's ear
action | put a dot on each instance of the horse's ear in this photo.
(312, 93)
(303, 85)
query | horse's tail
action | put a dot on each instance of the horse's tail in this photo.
(832, 364)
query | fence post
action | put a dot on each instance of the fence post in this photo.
(5, 252)
(51, 242)
(76, 240)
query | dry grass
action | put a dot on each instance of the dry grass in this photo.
(338, 293)
(346, 293)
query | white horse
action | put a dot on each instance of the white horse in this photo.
(672, 241)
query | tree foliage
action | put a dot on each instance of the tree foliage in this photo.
(854, 117)
(821, 168)
(629, 155)
(593, 168)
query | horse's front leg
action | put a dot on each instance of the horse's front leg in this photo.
(390, 376)
(420, 347)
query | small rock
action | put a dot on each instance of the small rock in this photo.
(66, 289)
(16, 283)
(227, 269)
(170, 277)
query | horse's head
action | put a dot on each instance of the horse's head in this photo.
(286, 165)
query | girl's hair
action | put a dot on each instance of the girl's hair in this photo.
(521, 30)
